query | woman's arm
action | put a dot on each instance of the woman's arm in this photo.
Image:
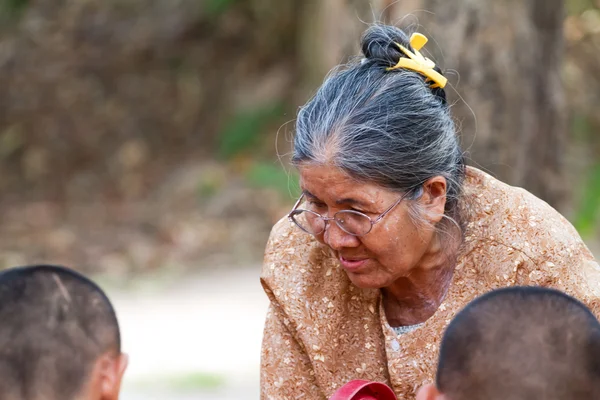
(286, 371)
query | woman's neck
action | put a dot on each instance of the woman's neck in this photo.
(415, 298)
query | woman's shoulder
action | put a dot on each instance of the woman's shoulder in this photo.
(492, 203)
(511, 217)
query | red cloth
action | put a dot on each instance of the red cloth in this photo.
(364, 390)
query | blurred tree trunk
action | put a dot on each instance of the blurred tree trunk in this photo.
(330, 32)
(508, 57)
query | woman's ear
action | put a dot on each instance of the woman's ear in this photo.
(433, 199)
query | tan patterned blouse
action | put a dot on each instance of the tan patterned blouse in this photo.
(321, 331)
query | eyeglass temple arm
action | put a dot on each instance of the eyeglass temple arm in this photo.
(296, 205)
(392, 206)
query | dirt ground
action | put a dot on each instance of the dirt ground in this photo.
(194, 339)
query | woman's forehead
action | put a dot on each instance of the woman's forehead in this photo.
(331, 183)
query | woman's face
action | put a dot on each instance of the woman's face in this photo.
(392, 249)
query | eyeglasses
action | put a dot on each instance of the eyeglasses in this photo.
(350, 221)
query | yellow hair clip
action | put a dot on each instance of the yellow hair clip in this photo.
(418, 63)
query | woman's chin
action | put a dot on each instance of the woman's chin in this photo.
(364, 281)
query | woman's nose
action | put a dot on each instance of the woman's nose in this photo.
(336, 238)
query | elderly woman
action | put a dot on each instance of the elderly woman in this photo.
(393, 234)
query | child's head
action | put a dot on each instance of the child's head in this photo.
(59, 337)
(519, 343)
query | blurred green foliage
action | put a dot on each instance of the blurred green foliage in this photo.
(196, 380)
(274, 176)
(12, 8)
(588, 212)
(207, 188)
(11, 140)
(16, 5)
(581, 128)
(243, 132)
(578, 6)
(218, 7)
(181, 382)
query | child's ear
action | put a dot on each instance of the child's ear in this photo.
(111, 371)
(429, 392)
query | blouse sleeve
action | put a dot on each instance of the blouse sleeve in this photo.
(286, 370)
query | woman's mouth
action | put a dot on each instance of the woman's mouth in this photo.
(352, 264)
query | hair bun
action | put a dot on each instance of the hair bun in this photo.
(378, 44)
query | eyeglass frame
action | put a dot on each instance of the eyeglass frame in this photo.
(327, 219)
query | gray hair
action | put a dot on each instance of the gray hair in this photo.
(386, 127)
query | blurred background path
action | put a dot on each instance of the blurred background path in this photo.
(194, 339)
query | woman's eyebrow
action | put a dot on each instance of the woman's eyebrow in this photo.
(309, 194)
(351, 201)
(346, 200)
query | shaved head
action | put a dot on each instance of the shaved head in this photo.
(521, 343)
(54, 325)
